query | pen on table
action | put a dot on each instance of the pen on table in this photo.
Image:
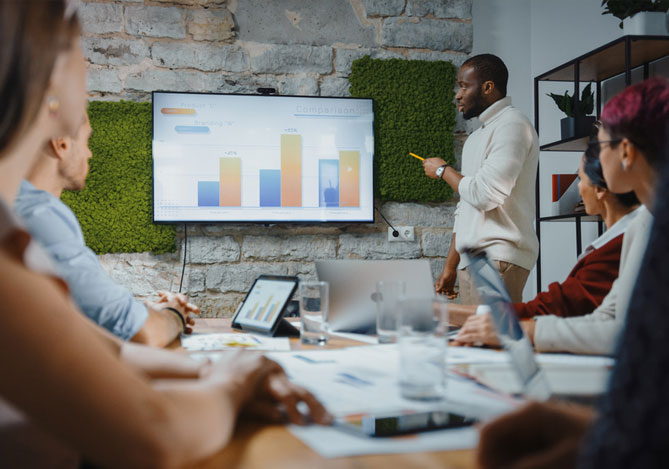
(416, 156)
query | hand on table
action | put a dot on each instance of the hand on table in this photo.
(179, 302)
(430, 166)
(265, 391)
(546, 435)
(477, 329)
(446, 282)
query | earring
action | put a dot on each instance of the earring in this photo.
(53, 104)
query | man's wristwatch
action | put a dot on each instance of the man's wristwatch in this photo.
(440, 171)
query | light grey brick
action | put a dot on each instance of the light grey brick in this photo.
(155, 21)
(333, 86)
(272, 248)
(345, 57)
(436, 243)
(210, 249)
(298, 86)
(211, 24)
(291, 59)
(202, 56)
(411, 214)
(376, 246)
(455, 58)
(427, 34)
(190, 2)
(102, 79)
(384, 7)
(461, 9)
(239, 277)
(194, 281)
(114, 51)
(238, 84)
(151, 80)
(312, 22)
(100, 18)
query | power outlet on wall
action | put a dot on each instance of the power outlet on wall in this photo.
(405, 233)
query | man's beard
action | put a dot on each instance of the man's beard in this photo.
(478, 106)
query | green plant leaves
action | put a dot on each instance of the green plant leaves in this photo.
(414, 112)
(115, 209)
(565, 103)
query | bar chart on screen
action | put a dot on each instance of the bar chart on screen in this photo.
(211, 164)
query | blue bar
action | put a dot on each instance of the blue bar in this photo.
(328, 183)
(191, 129)
(208, 194)
(270, 188)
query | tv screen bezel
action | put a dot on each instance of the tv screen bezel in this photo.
(258, 222)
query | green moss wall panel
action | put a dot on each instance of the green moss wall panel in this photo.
(414, 112)
(115, 207)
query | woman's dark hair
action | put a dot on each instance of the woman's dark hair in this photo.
(592, 167)
(32, 34)
(640, 113)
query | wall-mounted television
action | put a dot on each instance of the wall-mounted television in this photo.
(265, 159)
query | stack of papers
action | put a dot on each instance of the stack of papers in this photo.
(365, 380)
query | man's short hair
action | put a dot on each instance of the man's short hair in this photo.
(489, 67)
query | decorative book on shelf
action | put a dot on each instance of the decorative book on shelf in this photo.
(565, 193)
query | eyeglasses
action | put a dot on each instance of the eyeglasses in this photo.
(596, 145)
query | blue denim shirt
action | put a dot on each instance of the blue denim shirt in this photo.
(54, 226)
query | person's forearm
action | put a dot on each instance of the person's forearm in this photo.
(452, 258)
(160, 329)
(157, 363)
(452, 178)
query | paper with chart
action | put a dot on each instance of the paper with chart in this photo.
(233, 340)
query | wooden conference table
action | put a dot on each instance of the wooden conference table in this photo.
(273, 446)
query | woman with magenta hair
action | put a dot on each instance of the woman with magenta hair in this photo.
(631, 426)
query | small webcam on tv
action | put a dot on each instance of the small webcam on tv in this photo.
(267, 90)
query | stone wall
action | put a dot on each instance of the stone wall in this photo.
(299, 47)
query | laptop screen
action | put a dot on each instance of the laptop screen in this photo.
(492, 291)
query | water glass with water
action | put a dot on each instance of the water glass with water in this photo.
(314, 312)
(423, 328)
(387, 295)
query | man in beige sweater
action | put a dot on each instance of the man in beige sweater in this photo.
(497, 183)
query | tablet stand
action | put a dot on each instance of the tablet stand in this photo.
(286, 329)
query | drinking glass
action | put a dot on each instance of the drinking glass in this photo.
(387, 295)
(423, 329)
(314, 312)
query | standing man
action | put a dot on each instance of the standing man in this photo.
(63, 164)
(497, 185)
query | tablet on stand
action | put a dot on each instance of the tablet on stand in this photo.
(263, 309)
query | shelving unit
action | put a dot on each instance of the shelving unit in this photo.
(618, 57)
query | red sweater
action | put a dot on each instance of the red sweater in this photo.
(584, 289)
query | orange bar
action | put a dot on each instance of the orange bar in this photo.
(177, 110)
(291, 170)
(231, 182)
(349, 179)
(272, 314)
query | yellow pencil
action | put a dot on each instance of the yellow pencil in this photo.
(416, 156)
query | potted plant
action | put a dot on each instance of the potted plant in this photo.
(568, 126)
(639, 17)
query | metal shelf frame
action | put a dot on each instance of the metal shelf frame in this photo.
(620, 56)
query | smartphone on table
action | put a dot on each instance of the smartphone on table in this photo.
(384, 425)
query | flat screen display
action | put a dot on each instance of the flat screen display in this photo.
(271, 159)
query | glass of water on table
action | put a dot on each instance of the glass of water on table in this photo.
(314, 312)
(423, 329)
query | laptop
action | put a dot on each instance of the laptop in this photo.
(353, 288)
(571, 382)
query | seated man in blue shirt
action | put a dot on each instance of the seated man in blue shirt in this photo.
(64, 165)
